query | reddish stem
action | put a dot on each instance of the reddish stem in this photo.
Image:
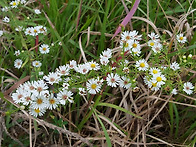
(36, 43)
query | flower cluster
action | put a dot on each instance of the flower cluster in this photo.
(59, 87)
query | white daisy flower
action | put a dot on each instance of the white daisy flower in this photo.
(18, 96)
(18, 63)
(72, 64)
(36, 63)
(136, 51)
(82, 91)
(142, 65)
(17, 53)
(188, 88)
(126, 45)
(52, 78)
(113, 80)
(174, 91)
(154, 71)
(37, 11)
(39, 101)
(1, 33)
(159, 78)
(83, 68)
(42, 29)
(5, 9)
(63, 70)
(29, 31)
(104, 60)
(147, 81)
(27, 99)
(134, 44)
(181, 38)
(28, 86)
(6, 19)
(154, 86)
(36, 112)
(14, 4)
(151, 43)
(106, 53)
(40, 87)
(153, 36)
(125, 36)
(23, 1)
(44, 49)
(65, 96)
(126, 70)
(93, 65)
(35, 31)
(125, 82)
(157, 47)
(175, 66)
(92, 86)
(65, 85)
(135, 35)
(52, 102)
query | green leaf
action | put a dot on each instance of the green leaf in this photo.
(119, 108)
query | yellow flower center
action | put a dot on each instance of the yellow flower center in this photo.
(159, 79)
(36, 63)
(154, 84)
(181, 38)
(37, 110)
(93, 65)
(128, 37)
(142, 65)
(152, 44)
(35, 31)
(155, 71)
(44, 48)
(93, 86)
(39, 101)
(52, 101)
(134, 45)
(14, 4)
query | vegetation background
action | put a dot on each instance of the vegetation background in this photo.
(91, 24)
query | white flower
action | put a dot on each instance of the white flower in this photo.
(154, 86)
(82, 91)
(83, 68)
(29, 31)
(6, 19)
(1, 33)
(92, 86)
(134, 44)
(39, 101)
(175, 66)
(52, 102)
(40, 87)
(27, 99)
(188, 86)
(135, 35)
(93, 65)
(44, 49)
(42, 29)
(63, 70)
(37, 11)
(19, 28)
(113, 80)
(17, 53)
(23, 1)
(5, 9)
(125, 36)
(52, 78)
(104, 60)
(36, 63)
(72, 64)
(41, 73)
(35, 31)
(18, 95)
(142, 65)
(181, 38)
(147, 81)
(65, 85)
(126, 70)
(126, 45)
(65, 96)
(157, 47)
(174, 91)
(14, 4)
(153, 36)
(125, 82)
(136, 51)
(154, 71)
(159, 78)
(37, 112)
(18, 63)
(151, 43)
(106, 53)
